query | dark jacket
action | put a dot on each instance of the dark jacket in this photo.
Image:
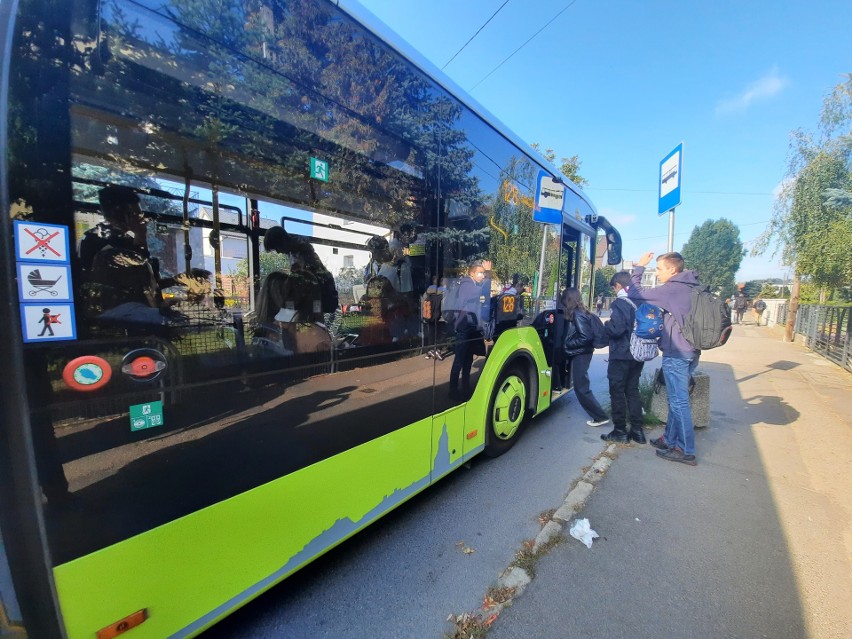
(675, 298)
(579, 335)
(618, 329)
(475, 303)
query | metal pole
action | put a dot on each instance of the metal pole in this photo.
(671, 230)
(541, 267)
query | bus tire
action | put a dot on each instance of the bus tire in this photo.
(506, 411)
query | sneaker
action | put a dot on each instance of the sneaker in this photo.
(592, 422)
(659, 442)
(677, 455)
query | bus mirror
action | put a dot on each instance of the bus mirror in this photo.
(613, 238)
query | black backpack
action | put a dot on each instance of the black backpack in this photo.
(600, 338)
(430, 307)
(451, 306)
(708, 323)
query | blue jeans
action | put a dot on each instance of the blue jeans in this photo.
(680, 432)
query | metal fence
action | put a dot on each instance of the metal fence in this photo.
(825, 330)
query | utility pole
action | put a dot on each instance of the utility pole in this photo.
(794, 308)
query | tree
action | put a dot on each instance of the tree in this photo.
(570, 167)
(752, 288)
(812, 221)
(714, 250)
(602, 277)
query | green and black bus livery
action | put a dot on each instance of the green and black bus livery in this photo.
(223, 221)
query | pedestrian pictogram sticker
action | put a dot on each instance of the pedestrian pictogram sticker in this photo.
(48, 322)
(35, 242)
(48, 282)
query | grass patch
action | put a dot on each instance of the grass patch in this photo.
(468, 626)
(646, 392)
(497, 596)
(545, 517)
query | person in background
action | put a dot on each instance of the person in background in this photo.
(474, 298)
(623, 372)
(740, 306)
(759, 306)
(579, 347)
(680, 359)
(599, 304)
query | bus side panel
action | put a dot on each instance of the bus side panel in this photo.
(448, 442)
(508, 347)
(192, 571)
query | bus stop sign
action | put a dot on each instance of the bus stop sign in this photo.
(671, 171)
(549, 196)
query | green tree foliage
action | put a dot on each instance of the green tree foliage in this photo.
(769, 290)
(515, 242)
(714, 250)
(752, 288)
(812, 222)
(269, 263)
(570, 167)
(602, 277)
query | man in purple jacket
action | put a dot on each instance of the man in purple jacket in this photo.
(679, 357)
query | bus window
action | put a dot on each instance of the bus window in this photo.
(252, 229)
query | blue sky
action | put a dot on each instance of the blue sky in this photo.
(622, 82)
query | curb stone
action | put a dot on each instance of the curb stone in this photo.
(517, 578)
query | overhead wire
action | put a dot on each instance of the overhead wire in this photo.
(597, 188)
(547, 24)
(475, 34)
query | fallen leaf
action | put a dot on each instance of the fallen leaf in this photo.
(468, 551)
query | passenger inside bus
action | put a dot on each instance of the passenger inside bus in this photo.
(123, 279)
(379, 254)
(401, 309)
(304, 261)
(270, 300)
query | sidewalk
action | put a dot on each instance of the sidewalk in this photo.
(756, 541)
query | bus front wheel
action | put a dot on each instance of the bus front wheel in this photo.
(506, 411)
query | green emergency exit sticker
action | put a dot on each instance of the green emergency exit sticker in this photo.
(144, 416)
(319, 169)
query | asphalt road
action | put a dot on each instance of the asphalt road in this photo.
(403, 576)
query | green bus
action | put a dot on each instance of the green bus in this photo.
(240, 246)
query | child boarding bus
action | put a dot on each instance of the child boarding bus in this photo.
(222, 219)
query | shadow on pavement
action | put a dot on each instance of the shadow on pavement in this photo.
(683, 552)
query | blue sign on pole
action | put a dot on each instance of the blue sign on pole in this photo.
(671, 172)
(549, 196)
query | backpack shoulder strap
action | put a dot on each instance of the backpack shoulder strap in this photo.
(628, 300)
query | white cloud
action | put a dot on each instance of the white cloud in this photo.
(766, 87)
(786, 183)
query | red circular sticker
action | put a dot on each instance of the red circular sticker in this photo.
(87, 373)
